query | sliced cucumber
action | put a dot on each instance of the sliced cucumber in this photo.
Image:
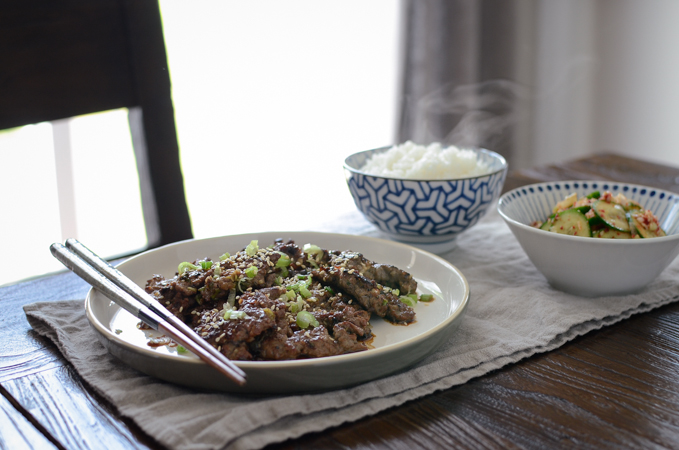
(609, 233)
(633, 206)
(583, 209)
(632, 228)
(613, 215)
(571, 222)
(640, 229)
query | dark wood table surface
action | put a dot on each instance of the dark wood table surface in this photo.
(617, 387)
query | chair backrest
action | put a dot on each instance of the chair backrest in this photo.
(63, 58)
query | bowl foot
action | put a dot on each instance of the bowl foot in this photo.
(438, 248)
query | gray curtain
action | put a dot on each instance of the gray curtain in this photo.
(460, 69)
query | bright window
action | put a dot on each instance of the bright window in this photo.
(269, 96)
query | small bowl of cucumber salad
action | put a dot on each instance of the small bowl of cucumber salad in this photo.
(595, 238)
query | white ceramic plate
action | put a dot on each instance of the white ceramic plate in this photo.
(396, 347)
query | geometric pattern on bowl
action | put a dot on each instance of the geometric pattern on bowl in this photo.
(524, 206)
(419, 208)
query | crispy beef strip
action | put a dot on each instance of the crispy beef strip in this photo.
(312, 343)
(384, 274)
(233, 337)
(178, 298)
(334, 312)
(367, 292)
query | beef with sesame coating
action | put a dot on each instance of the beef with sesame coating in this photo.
(284, 301)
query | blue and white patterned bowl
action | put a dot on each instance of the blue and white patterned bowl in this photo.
(424, 212)
(588, 266)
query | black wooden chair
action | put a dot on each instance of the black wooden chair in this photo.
(64, 58)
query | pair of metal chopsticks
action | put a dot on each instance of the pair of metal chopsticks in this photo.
(127, 294)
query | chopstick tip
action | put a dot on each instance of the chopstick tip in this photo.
(56, 247)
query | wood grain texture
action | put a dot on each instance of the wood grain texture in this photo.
(23, 352)
(600, 167)
(34, 375)
(17, 432)
(58, 400)
(617, 387)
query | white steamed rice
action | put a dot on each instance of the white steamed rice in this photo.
(418, 162)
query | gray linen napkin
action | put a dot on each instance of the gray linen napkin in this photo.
(512, 314)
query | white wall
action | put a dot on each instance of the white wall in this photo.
(636, 108)
(606, 79)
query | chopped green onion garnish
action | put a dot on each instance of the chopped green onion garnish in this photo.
(304, 291)
(283, 261)
(181, 349)
(315, 253)
(408, 300)
(251, 271)
(185, 267)
(237, 315)
(305, 318)
(217, 272)
(329, 289)
(231, 299)
(426, 297)
(226, 255)
(312, 249)
(291, 295)
(252, 248)
(205, 265)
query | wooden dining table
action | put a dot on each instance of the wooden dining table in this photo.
(616, 387)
